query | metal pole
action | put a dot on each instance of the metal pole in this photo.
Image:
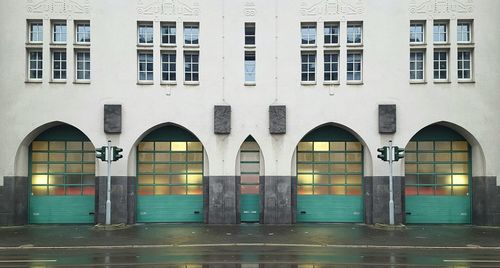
(108, 196)
(391, 191)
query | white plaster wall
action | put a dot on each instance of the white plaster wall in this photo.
(26, 106)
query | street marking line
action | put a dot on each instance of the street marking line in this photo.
(472, 261)
(22, 261)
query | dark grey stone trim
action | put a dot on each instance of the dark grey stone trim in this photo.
(222, 119)
(131, 200)
(262, 180)
(387, 118)
(277, 119)
(368, 199)
(294, 199)
(122, 199)
(14, 201)
(222, 200)
(112, 118)
(206, 199)
(485, 201)
(238, 195)
(277, 200)
(378, 210)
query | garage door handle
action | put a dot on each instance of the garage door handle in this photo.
(196, 212)
(408, 213)
(91, 213)
(302, 212)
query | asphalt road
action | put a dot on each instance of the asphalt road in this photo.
(249, 256)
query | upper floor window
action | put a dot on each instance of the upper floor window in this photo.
(168, 33)
(354, 33)
(354, 64)
(191, 66)
(249, 67)
(440, 32)
(331, 33)
(145, 61)
(417, 32)
(308, 66)
(59, 32)
(35, 32)
(417, 65)
(464, 64)
(35, 65)
(59, 65)
(83, 32)
(191, 33)
(249, 33)
(83, 65)
(145, 33)
(308, 33)
(464, 32)
(168, 61)
(331, 61)
(440, 65)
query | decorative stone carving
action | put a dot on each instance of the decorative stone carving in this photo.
(441, 6)
(333, 7)
(249, 9)
(58, 6)
(167, 7)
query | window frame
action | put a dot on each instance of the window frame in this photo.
(250, 25)
(308, 72)
(145, 81)
(29, 69)
(54, 33)
(308, 26)
(85, 24)
(192, 72)
(332, 24)
(84, 70)
(331, 64)
(353, 24)
(146, 25)
(446, 32)
(254, 73)
(471, 65)
(423, 33)
(61, 70)
(440, 79)
(360, 71)
(168, 35)
(416, 70)
(39, 34)
(191, 25)
(460, 33)
(168, 63)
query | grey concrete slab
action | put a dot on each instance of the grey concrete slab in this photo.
(380, 199)
(121, 189)
(14, 201)
(222, 200)
(113, 118)
(222, 119)
(485, 201)
(277, 119)
(387, 118)
(277, 200)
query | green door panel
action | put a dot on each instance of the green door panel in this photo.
(329, 208)
(170, 208)
(249, 207)
(62, 209)
(438, 209)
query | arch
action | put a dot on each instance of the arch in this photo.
(262, 159)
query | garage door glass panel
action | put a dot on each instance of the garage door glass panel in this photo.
(249, 179)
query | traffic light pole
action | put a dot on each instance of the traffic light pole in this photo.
(108, 196)
(391, 187)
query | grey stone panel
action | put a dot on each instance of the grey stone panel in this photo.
(222, 119)
(119, 199)
(131, 199)
(14, 201)
(294, 199)
(262, 180)
(277, 119)
(238, 195)
(112, 118)
(485, 201)
(380, 199)
(368, 200)
(222, 200)
(387, 118)
(278, 200)
(206, 199)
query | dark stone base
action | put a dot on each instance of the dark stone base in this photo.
(222, 203)
(14, 201)
(485, 201)
(277, 200)
(123, 199)
(376, 199)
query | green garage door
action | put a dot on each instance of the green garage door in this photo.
(62, 177)
(170, 177)
(329, 177)
(438, 171)
(250, 175)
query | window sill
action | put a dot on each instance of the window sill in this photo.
(168, 45)
(57, 81)
(169, 83)
(52, 44)
(145, 83)
(251, 84)
(442, 82)
(191, 83)
(191, 46)
(250, 46)
(442, 44)
(85, 82)
(33, 81)
(144, 45)
(466, 81)
(354, 83)
(465, 43)
(81, 44)
(418, 44)
(308, 83)
(331, 83)
(34, 44)
(417, 82)
(308, 46)
(331, 45)
(355, 45)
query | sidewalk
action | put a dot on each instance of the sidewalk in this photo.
(337, 235)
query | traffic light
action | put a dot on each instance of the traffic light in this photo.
(102, 153)
(398, 153)
(116, 153)
(383, 153)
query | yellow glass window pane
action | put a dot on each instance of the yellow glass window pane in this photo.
(56, 179)
(353, 179)
(411, 146)
(305, 157)
(40, 146)
(321, 146)
(426, 157)
(410, 168)
(162, 190)
(195, 157)
(460, 168)
(196, 146)
(305, 179)
(338, 157)
(443, 190)
(443, 168)
(249, 189)
(250, 179)
(88, 179)
(57, 157)
(39, 168)
(321, 157)
(88, 168)
(337, 190)
(354, 157)
(73, 168)
(353, 190)
(74, 146)
(460, 179)
(338, 179)
(146, 146)
(443, 157)
(178, 146)
(460, 145)
(337, 146)
(73, 179)
(162, 168)
(39, 157)
(305, 146)
(425, 168)
(178, 157)
(88, 146)
(89, 157)
(57, 145)
(321, 168)
(178, 168)
(461, 190)
(194, 179)
(161, 157)
(146, 157)
(145, 190)
(304, 168)
(339, 168)
(460, 157)
(410, 157)
(39, 190)
(145, 179)
(442, 146)
(162, 179)
(353, 146)
(198, 168)
(305, 190)
(426, 179)
(178, 179)
(39, 179)
(443, 179)
(425, 145)
(354, 168)
(179, 190)
(410, 179)
(56, 168)
(321, 190)
(426, 190)
(162, 146)
(194, 190)
(321, 179)
(56, 190)
(145, 168)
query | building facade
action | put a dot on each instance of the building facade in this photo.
(250, 111)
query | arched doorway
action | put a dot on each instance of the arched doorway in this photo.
(250, 167)
(437, 177)
(61, 177)
(170, 176)
(329, 176)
